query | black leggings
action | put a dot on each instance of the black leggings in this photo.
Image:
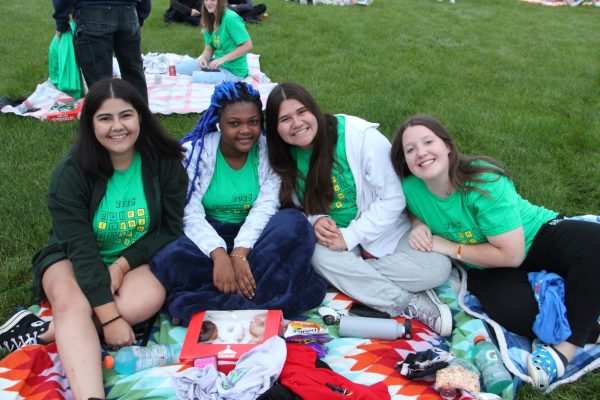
(569, 248)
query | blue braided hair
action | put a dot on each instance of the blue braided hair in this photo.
(225, 94)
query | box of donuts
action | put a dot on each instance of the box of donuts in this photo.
(227, 335)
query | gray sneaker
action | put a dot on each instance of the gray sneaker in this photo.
(427, 308)
(22, 329)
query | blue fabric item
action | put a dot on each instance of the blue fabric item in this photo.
(551, 325)
(280, 263)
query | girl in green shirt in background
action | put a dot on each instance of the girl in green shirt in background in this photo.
(226, 44)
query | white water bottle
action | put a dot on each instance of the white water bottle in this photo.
(374, 328)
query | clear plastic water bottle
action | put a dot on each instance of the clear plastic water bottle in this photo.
(487, 358)
(131, 359)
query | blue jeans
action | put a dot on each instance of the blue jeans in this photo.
(102, 29)
(191, 67)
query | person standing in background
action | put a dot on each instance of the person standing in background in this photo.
(101, 29)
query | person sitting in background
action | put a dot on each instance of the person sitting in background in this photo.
(467, 208)
(187, 11)
(247, 10)
(226, 44)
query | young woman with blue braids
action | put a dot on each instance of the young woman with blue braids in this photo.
(238, 251)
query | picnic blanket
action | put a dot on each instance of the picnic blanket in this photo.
(166, 94)
(34, 372)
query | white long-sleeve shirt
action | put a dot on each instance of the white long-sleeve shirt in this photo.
(195, 225)
(382, 219)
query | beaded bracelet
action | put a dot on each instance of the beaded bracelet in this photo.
(239, 256)
(110, 321)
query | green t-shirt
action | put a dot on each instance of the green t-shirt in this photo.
(343, 208)
(122, 216)
(232, 193)
(469, 217)
(228, 37)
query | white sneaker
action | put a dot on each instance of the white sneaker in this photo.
(427, 308)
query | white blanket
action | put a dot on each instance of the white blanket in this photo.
(170, 94)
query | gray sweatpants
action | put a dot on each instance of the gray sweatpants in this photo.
(387, 283)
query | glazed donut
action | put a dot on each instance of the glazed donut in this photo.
(257, 326)
(208, 332)
(231, 331)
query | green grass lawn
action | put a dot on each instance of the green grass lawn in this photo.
(516, 81)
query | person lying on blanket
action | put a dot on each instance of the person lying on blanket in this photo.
(114, 200)
(467, 208)
(337, 169)
(226, 44)
(239, 251)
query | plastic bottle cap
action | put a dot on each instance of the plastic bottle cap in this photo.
(478, 339)
(109, 362)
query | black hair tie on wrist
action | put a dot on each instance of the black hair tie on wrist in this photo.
(111, 321)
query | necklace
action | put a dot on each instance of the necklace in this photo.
(449, 191)
(441, 193)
